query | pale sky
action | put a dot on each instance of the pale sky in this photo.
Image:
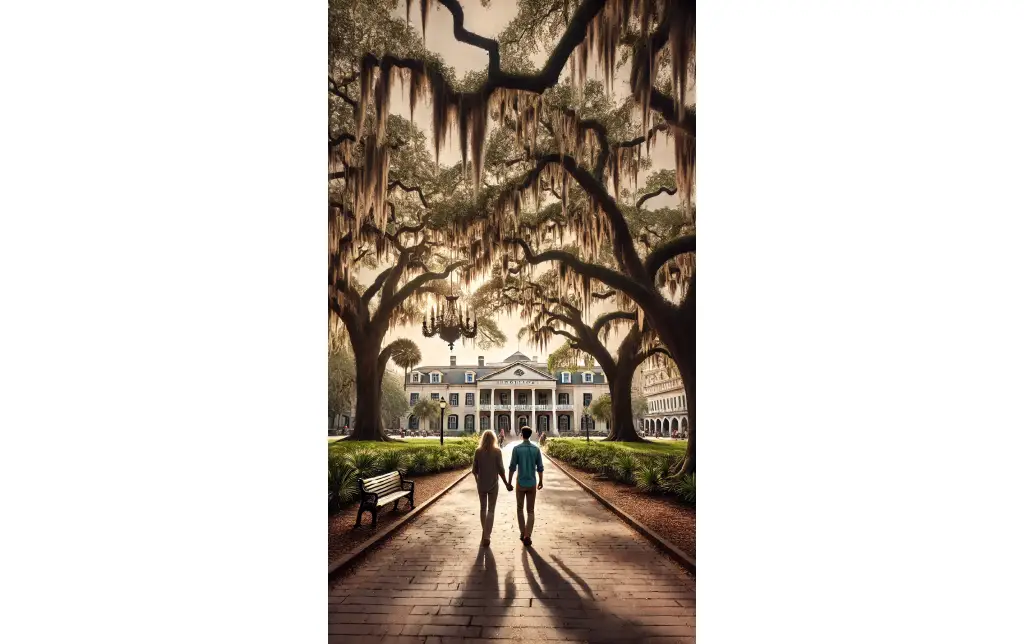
(464, 58)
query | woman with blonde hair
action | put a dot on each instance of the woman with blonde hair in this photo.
(487, 467)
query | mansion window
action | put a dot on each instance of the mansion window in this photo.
(416, 377)
(586, 399)
(588, 378)
(503, 399)
(469, 424)
(522, 399)
(453, 400)
(565, 377)
(563, 399)
(485, 422)
(413, 398)
(542, 398)
(470, 376)
(435, 396)
(485, 398)
(453, 422)
(470, 401)
(435, 378)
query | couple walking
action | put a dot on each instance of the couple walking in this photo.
(488, 465)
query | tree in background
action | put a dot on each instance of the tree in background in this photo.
(393, 403)
(406, 355)
(601, 408)
(341, 375)
(427, 410)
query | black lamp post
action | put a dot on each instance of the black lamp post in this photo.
(444, 404)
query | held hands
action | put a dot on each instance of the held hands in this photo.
(508, 486)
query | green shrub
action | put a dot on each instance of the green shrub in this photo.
(420, 462)
(648, 478)
(364, 461)
(341, 483)
(391, 460)
(623, 468)
(688, 489)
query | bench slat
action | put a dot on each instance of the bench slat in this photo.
(384, 500)
(383, 484)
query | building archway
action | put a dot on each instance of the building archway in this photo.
(659, 427)
(414, 422)
(470, 423)
(675, 424)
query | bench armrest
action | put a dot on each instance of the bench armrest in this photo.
(370, 496)
(408, 485)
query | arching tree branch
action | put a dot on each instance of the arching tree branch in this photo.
(652, 195)
(665, 252)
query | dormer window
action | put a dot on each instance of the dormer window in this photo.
(416, 377)
(435, 378)
(470, 377)
(566, 378)
(588, 378)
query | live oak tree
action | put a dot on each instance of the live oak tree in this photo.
(656, 38)
(568, 315)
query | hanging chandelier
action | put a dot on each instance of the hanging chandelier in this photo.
(450, 324)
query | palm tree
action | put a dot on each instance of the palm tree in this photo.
(406, 355)
(427, 409)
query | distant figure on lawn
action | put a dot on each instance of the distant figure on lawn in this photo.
(526, 458)
(487, 467)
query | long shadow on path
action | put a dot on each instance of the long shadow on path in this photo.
(572, 611)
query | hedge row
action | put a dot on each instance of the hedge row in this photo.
(344, 468)
(650, 473)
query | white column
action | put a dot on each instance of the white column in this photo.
(533, 410)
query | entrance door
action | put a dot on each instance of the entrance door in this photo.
(563, 423)
(523, 420)
(503, 422)
(543, 423)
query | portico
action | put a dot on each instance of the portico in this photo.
(517, 396)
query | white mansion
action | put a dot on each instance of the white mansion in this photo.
(509, 394)
(666, 400)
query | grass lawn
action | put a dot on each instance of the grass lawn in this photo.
(342, 447)
(667, 448)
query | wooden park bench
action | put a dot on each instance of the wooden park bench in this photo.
(377, 491)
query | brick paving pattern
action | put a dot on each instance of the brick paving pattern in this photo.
(588, 577)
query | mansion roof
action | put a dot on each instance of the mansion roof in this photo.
(457, 374)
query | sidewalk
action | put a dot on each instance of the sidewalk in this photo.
(589, 577)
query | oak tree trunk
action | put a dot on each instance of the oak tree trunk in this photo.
(367, 425)
(677, 330)
(620, 385)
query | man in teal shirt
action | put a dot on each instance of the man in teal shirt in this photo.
(526, 458)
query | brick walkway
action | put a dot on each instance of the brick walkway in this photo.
(588, 577)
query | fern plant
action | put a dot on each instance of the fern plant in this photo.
(624, 467)
(391, 460)
(364, 461)
(648, 478)
(420, 462)
(341, 483)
